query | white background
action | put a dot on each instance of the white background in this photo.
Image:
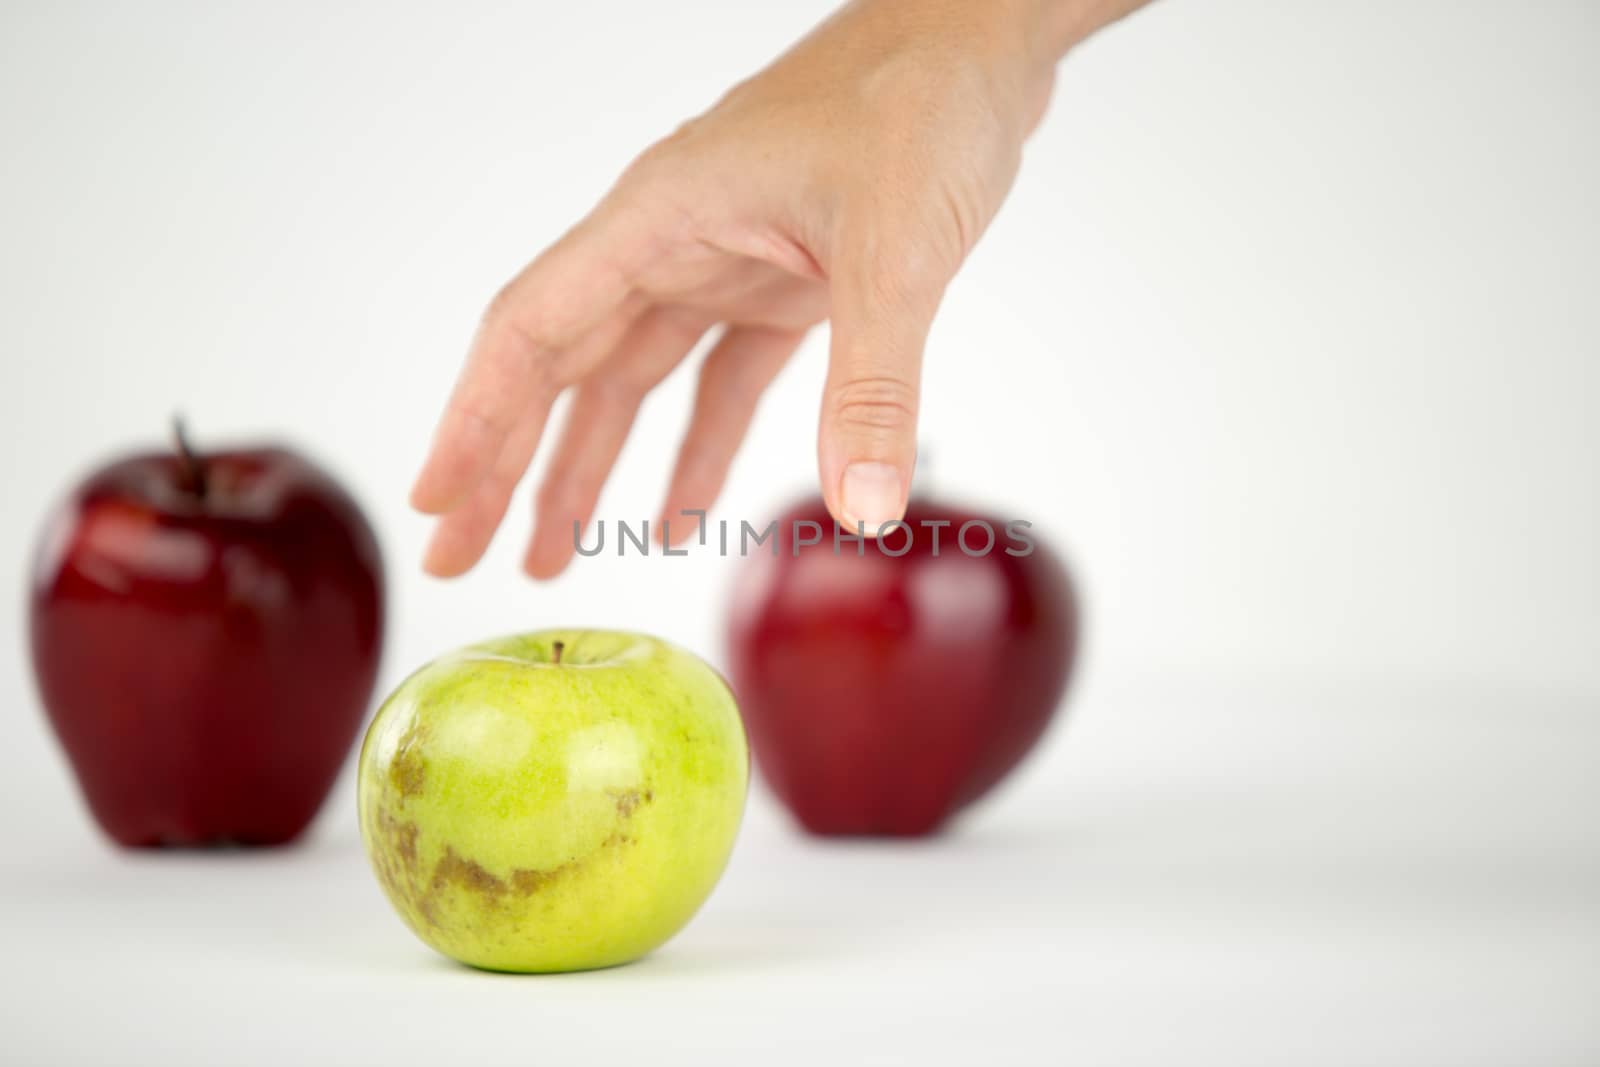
(1288, 336)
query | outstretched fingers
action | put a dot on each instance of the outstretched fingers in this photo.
(515, 364)
(463, 534)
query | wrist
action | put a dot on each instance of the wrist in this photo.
(1038, 33)
(1055, 27)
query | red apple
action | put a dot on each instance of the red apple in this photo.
(206, 632)
(881, 692)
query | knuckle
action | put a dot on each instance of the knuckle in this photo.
(479, 417)
(671, 332)
(680, 323)
(560, 498)
(503, 311)
(536, 323)
(619, 391)
(903, 261)
(903, 278)
(728, 383)
(880, 404)
(662, 156)
(725, 386)
(532, 340)
(959, 218)
(700, 469)
(643, 166)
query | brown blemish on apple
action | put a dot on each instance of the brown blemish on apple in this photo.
(528, 882)
(453, 869)
(407, 772)
(469, 874)
(404, 836)
(397, 864)
(460, 872)
(629, 800)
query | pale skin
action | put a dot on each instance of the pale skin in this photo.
(846, 182)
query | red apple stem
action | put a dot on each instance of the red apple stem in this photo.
(194, 472)
(555, 651)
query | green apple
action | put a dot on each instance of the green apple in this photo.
(555, 801)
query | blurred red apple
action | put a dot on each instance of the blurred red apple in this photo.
(206, 632)
(882, 692)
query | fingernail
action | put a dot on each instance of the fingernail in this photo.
(871, 495)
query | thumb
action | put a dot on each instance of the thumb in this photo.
(884, 296)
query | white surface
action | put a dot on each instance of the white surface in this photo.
(1323, 875)
(1288, 335)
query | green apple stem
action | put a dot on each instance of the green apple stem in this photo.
(194, 472)
(555, 651)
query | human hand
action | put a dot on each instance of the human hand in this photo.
(847, 181)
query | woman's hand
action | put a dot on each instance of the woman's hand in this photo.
(847, 181)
